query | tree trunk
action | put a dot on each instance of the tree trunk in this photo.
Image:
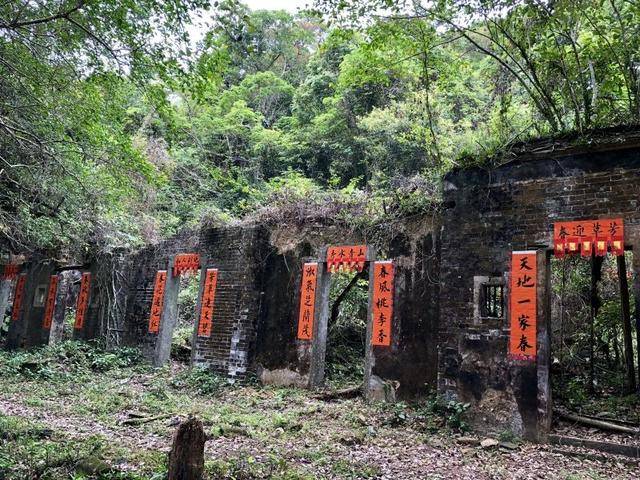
(335, 308)
(186, 459)
(626, 323)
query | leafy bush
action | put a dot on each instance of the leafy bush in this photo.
(66, 360)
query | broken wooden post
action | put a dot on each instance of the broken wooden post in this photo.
(626, 323)
(186, 459)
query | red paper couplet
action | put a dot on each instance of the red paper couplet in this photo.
(382, 303)
(158, 301)
(523, 311)
(347, 258)
(185, 262)
(51, 302)
(83, 301)
(307, 300)
(18, 297)
(208, 299)
(10, 271)
(586, 236)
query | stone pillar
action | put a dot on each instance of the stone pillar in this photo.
(5, 291)
(204, 261)
(169, 317)
(545, 403)
(320, 324)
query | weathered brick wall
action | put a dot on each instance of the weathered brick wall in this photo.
(491, 213)
(240, 255)
(411, 361)
(138, 282)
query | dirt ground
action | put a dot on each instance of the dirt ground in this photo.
(266, 432)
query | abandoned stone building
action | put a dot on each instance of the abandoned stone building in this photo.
(445, 288)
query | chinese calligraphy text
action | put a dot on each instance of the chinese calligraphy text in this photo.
(50, 303)
(83, 301)
(10, 271)
(186, 262)
(208, 298)
(587, 236)
(18, 296)
(307, 300)
(158, 301)
(523, 313)
(382, 308)
(347, 258)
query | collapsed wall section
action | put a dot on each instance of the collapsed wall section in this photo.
(406, 368)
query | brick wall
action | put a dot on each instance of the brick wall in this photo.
(240, 255)
(138, 282)
(489, 214)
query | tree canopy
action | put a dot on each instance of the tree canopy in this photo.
(117, 128)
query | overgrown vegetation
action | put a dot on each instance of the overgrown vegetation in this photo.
(347, 329)
(589, 372)
(82, 397)
(111, 137)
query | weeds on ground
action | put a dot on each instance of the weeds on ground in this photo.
(430, 415)
(65, 361)
(29, 450)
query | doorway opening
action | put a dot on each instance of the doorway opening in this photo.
(64, 316)
(346, 330)
(182, 337)
(594, 348)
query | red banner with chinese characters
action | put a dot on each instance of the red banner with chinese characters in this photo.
(18, 297)
(586, 236)
(208, 299)
(158, 301)
(50, 304)
(186, 262)
(348, 258)
(523, 309)
(307, 300)
(10, 271)
(382, 303)
(83, 301)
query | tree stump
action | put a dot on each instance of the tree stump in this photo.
(186, 459)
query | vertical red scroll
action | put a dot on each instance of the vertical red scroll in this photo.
(208, 299)
(307, 300)
(382, 310)
(523, 311)
(18, 297)
(83, 301)
(50, 305)
(158, 301)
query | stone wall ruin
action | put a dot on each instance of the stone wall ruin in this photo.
(439, 339)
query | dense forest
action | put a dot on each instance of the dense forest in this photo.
(122, 122)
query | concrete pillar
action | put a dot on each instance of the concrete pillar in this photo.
(320, 324)
(5, 291)
(635, 268)
(369, 357)
(204, 264)
(169, 317)
(543, 339)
